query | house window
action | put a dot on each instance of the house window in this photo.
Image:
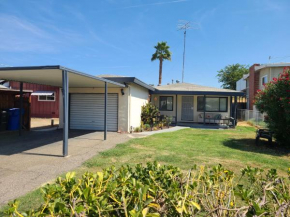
(264, 79)
(47, 98)
(166, 103)
(212, 104)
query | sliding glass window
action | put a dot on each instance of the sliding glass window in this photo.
(212, 104)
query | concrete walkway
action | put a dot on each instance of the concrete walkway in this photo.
(33, 159)
(149, 133)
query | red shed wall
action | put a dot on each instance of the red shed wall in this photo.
(41, 109)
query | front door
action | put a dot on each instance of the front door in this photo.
(187, 108)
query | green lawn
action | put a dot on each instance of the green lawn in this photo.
(233, 148)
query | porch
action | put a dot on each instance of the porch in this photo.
(197, 106)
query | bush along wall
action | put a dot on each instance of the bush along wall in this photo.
(156, 190)
(274, 100)
(150, 116)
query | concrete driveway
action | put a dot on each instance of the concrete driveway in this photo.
(33, 159)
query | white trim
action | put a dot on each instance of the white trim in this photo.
(40, 100)
(43, 93)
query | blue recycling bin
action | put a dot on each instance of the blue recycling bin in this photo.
(13, 118)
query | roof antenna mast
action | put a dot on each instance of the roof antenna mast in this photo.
(184, 26)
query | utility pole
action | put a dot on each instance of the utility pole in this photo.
(184, 26)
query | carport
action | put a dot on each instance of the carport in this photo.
(64, 78)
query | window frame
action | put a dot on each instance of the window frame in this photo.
(160, 108)
(222, 97)
(265, 76)
(46, 100)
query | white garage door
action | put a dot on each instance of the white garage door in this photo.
(87, 112)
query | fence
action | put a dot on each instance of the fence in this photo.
(253, 116)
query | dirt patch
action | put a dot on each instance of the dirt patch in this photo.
(244, 124)
(43, 122)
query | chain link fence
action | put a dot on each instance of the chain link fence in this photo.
(254, 117)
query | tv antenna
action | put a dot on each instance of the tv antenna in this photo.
(184, 25)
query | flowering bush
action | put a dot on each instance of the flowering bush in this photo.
(274, 100)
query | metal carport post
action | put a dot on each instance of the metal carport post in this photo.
(105, 115)
(65, 90)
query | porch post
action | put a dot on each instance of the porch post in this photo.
(65, 90)
(231, 109)
(235, 111)
(105, 115)
(204, 103)
(21, 108)
(176, 110)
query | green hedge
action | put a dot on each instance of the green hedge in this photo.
(155, 190)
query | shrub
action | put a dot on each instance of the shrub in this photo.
(149, 113)
(274, 100)
(156, 190)
(137, 129)
(147, 127)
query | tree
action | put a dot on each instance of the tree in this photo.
(231, 74)
(274, 100)
(162, 53)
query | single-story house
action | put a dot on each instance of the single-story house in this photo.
(190, 103)
(113, 103)
(183, 102)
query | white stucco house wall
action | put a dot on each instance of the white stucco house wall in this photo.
(124, 105)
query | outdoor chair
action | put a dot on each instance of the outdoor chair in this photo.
(264, 133)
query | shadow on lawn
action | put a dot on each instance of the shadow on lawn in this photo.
(249, 145)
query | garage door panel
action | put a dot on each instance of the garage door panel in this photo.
(87, 111)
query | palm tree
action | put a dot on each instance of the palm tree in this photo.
(162, 53)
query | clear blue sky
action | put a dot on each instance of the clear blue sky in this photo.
(117, 36)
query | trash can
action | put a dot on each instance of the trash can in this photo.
(13, 118)
(3, 120)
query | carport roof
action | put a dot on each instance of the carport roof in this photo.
(52, 75)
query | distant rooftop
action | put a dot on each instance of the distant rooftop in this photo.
(3, 87)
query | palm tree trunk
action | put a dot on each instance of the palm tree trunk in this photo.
(160, 71)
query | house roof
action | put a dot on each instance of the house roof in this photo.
(187, 88)
(271, 65)
(122, 80)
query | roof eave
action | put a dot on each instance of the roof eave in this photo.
(131, 80)
(180, 92)
(141, 83)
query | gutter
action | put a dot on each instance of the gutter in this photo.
(237, 93)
